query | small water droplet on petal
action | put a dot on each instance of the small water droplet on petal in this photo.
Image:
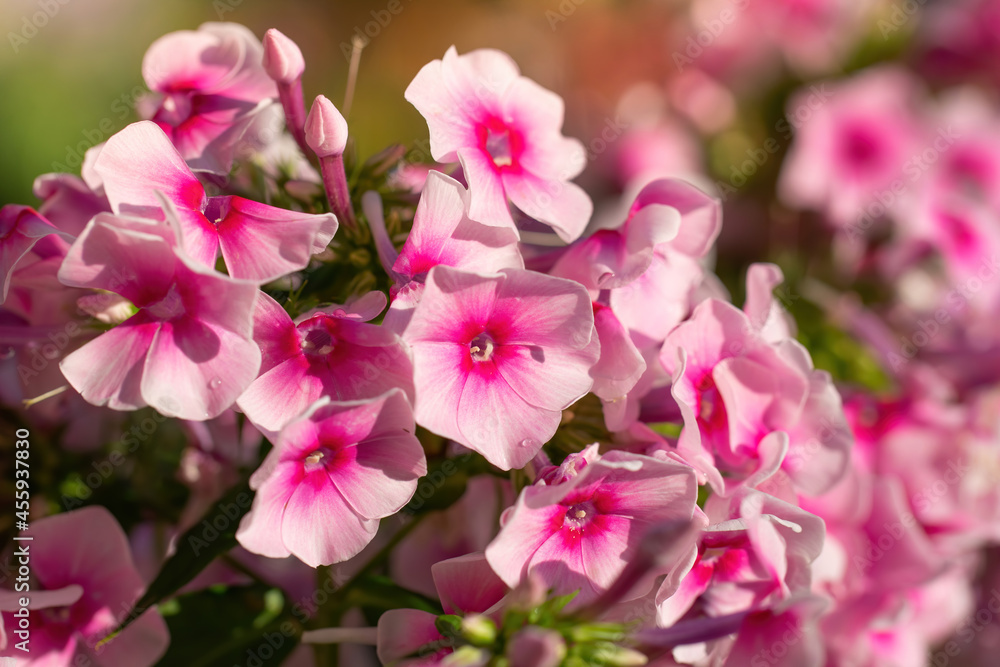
(215, 383)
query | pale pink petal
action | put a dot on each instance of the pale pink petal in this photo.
(402, 632)
(449, 128)
(59, 597)
(384, 474)
(196, 369)
(442, 234)
(479, 79)
(142, 643)
(67, 202)
(140, 160)
(438, 377)
(701, 214)
(190, 59)
(20, 229)
(108, 370)
(500, 425)
(260, 529)
(539, 114)
(562, 205)
(621, 364)
(319, 527)
(543, 310)
(450, 299)
(606, 549)
(261, 242)
(487, 198)
(289, 379)
(669, 282)
(551, 378)
(130, 258)
(216, 299)
(559, 562)
(467, 584)
(511, 551)
(765, 313)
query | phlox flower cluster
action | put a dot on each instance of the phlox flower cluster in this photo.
(498, 425)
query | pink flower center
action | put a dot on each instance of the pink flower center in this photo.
(861, 148)
(579, 515)
(217, 209)
(481, 347)
(316, 338)
(318, 458)
(168, 307)
(175, 109)
(498, 146)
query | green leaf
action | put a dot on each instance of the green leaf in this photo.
(227, 626)
(212, 536)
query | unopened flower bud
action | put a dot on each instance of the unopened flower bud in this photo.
(326, 129)
(479, 630)
(467, 656)
(449, 625)
(283, 60)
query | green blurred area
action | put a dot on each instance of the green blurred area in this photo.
(67, 86)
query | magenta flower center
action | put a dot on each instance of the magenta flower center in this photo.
(168, 307)
(579, 515)
(498, 146)
(315, 337)
(321, 457)
(217, 209)
(176, 109)
(481, 347)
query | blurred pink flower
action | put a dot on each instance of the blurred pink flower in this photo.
(207, 85)
(85, 584)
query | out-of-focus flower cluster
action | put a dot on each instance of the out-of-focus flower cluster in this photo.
(458, 410)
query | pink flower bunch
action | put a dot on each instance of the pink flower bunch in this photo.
(564, 449)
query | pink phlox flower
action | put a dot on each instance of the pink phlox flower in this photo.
(84, 584)
(579, 525)
(328, 351)
(208, 86)
(144, 175)
(333, 473)
(187, 349)
(506, 131)
(497, 357)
